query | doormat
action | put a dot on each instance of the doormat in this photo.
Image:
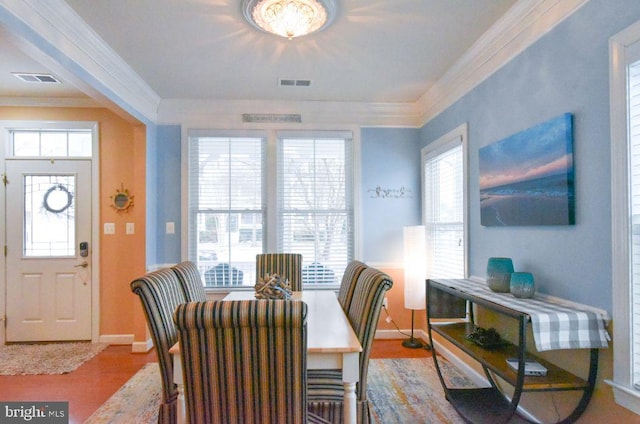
(46, 358)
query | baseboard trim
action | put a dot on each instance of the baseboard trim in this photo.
(401, 334)
(117, 339)
(142, 347)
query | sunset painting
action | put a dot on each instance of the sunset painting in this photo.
(527, 178)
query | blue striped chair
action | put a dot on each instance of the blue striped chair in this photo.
(287, 265)
(160, 292)
(191, 281)
(244, 361)
(348, 284)
(326, 390)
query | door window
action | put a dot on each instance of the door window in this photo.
(49, 221)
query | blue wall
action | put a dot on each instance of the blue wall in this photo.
(565, 71)
(390, 160)
(163, 196)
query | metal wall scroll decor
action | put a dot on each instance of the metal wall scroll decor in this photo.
(389, 193)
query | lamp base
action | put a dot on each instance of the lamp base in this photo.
(412, 343)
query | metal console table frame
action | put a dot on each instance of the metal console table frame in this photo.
(489, 404)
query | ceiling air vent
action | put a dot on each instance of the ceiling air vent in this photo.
(45, 78)
(294, 83)
(271, 118)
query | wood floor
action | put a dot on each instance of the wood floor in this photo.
(95, 381)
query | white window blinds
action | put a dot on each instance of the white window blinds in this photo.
(443, 210)
(315, 206)
(634, 159)
(226, 211)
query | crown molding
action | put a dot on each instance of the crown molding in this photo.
(54, 28)
(522, 25)
(228, 114)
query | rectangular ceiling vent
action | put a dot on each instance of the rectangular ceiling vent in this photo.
(294, 82)
(271, 118)
(44, 78)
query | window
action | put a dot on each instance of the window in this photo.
(625, 213)
(51, 143)
(444, 206)
(226, 211)
(315, 207)
(275, 192)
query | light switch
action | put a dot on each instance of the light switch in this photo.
(170, 228)
(109, 228)
(131, 228)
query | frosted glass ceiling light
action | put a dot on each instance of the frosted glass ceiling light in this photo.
(289, 18)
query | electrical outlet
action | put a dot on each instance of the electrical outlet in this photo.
(384, 303)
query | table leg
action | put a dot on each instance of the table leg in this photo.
(178, 379)
(350, 403)
(350, 376)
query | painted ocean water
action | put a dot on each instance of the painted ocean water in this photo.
(541, 201)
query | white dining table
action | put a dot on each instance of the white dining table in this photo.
(331, 344)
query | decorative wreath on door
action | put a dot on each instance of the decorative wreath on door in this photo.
(57, 199)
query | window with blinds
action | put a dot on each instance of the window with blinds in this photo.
(443, 207)
(315, 203)
(226, 212)
(634, 163)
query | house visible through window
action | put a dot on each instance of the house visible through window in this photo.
(292, 192)
(226, 211)
(444, 205)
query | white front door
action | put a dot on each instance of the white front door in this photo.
(48, 225)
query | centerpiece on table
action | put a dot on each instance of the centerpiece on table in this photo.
(273, 286)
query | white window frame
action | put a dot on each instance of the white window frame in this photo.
(448, 141)
(270, 225)
(624, 392)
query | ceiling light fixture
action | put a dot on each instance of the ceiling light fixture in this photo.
(289, 18)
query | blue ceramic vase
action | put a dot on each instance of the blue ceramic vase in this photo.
(522, 284)
(499, 272)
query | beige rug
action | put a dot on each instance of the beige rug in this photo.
(409, 391)
(135, 402)
(400, 391)
(48, 358)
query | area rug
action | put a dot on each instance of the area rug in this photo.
(47, 358)
(400, 391)
(135, 402)
(409, 391)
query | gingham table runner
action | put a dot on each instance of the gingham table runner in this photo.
(554, 326)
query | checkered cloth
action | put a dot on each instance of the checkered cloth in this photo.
(554, 326)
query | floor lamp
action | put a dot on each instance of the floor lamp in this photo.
(415, 271)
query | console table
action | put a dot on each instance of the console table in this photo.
(554, 326)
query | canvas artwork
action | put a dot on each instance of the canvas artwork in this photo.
(527, 178)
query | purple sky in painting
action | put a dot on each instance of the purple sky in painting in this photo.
(542, 150)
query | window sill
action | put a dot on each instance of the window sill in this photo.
(625, 396)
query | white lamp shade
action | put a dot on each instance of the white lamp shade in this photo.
(415, 267)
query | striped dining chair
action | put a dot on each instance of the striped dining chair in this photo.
(348, 284)
(286, 265)
(244, 361)
(160, 292)
(191, 281)
(326, 390)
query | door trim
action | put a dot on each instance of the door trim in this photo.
(5, 127)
